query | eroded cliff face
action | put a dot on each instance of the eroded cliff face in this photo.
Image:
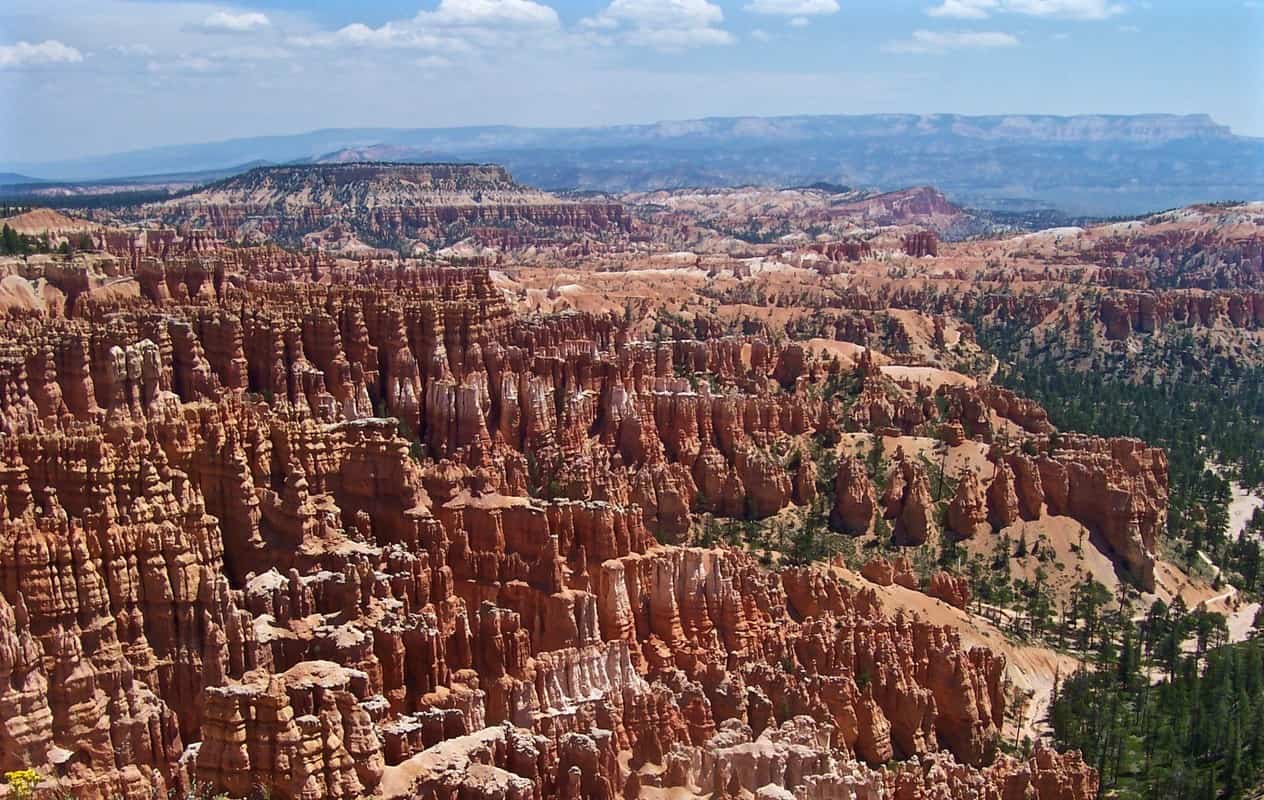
(396, 541)
(384, 204)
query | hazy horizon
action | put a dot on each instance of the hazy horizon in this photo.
(82, 79)
(10, 164)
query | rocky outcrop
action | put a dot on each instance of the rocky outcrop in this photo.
(381, 203)
(921, 244)
(1002, 500)
(794, 761)
(908, 502)
(496, 763)
(879, 571)
(1115, 487)
(1124, 314)
(855, 500)
(886, 573)
(968, 512)
(952, 589)
(307, 732)
(922, 205)
(344, 539)
(835, 252)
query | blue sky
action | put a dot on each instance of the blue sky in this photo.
(82, 77)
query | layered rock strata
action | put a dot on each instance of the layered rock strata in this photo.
(330, 540)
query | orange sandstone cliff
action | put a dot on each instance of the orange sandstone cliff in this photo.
(331, 539)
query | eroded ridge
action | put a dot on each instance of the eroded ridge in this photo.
(265, 529)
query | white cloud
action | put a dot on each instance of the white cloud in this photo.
(663, 24)
(49, 51)
(963, 9)
(389, 36)
(1129, 29)
(1070, 9)
(455, 26)
(229, 22)
(799, 22)
(760, 35)
(1066, 9)
(678, 38)
(492, 12)
(661, 13)
(793, 8)
(939, 42)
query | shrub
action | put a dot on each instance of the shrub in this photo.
(22, 782)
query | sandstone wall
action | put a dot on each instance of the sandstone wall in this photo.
(340, 540)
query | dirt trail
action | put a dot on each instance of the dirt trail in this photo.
(1242, 507)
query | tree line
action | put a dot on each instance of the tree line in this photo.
(13, 243)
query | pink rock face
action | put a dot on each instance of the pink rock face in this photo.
(315, 716)
(854, 498)
(921, 244)
(968, 511)
(380, 203)
(879, 571)
(1027, 486)
(737, 762)
(1117, 487)
(1115, 318)
(378, 536)
(953, 590)
(886, 573)
(1002, 500)
(902, 573)
(805, 481)
(907, 501)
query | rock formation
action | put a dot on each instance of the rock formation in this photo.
(378, 535)
(855, 500)
(381, 203)
(1002, 500)
(908, 502)
(953, 590)
(968, 511)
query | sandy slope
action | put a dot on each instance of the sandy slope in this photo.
(1031, 669)
(46, 220)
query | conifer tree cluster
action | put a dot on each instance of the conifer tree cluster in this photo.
(1163, 706)
(1162, 724)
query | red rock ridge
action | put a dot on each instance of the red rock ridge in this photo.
(226, 563)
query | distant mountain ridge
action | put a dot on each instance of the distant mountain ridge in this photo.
(10, 178)
(1102, 164)
(360, 181)
(392, 205)
(378, 152)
